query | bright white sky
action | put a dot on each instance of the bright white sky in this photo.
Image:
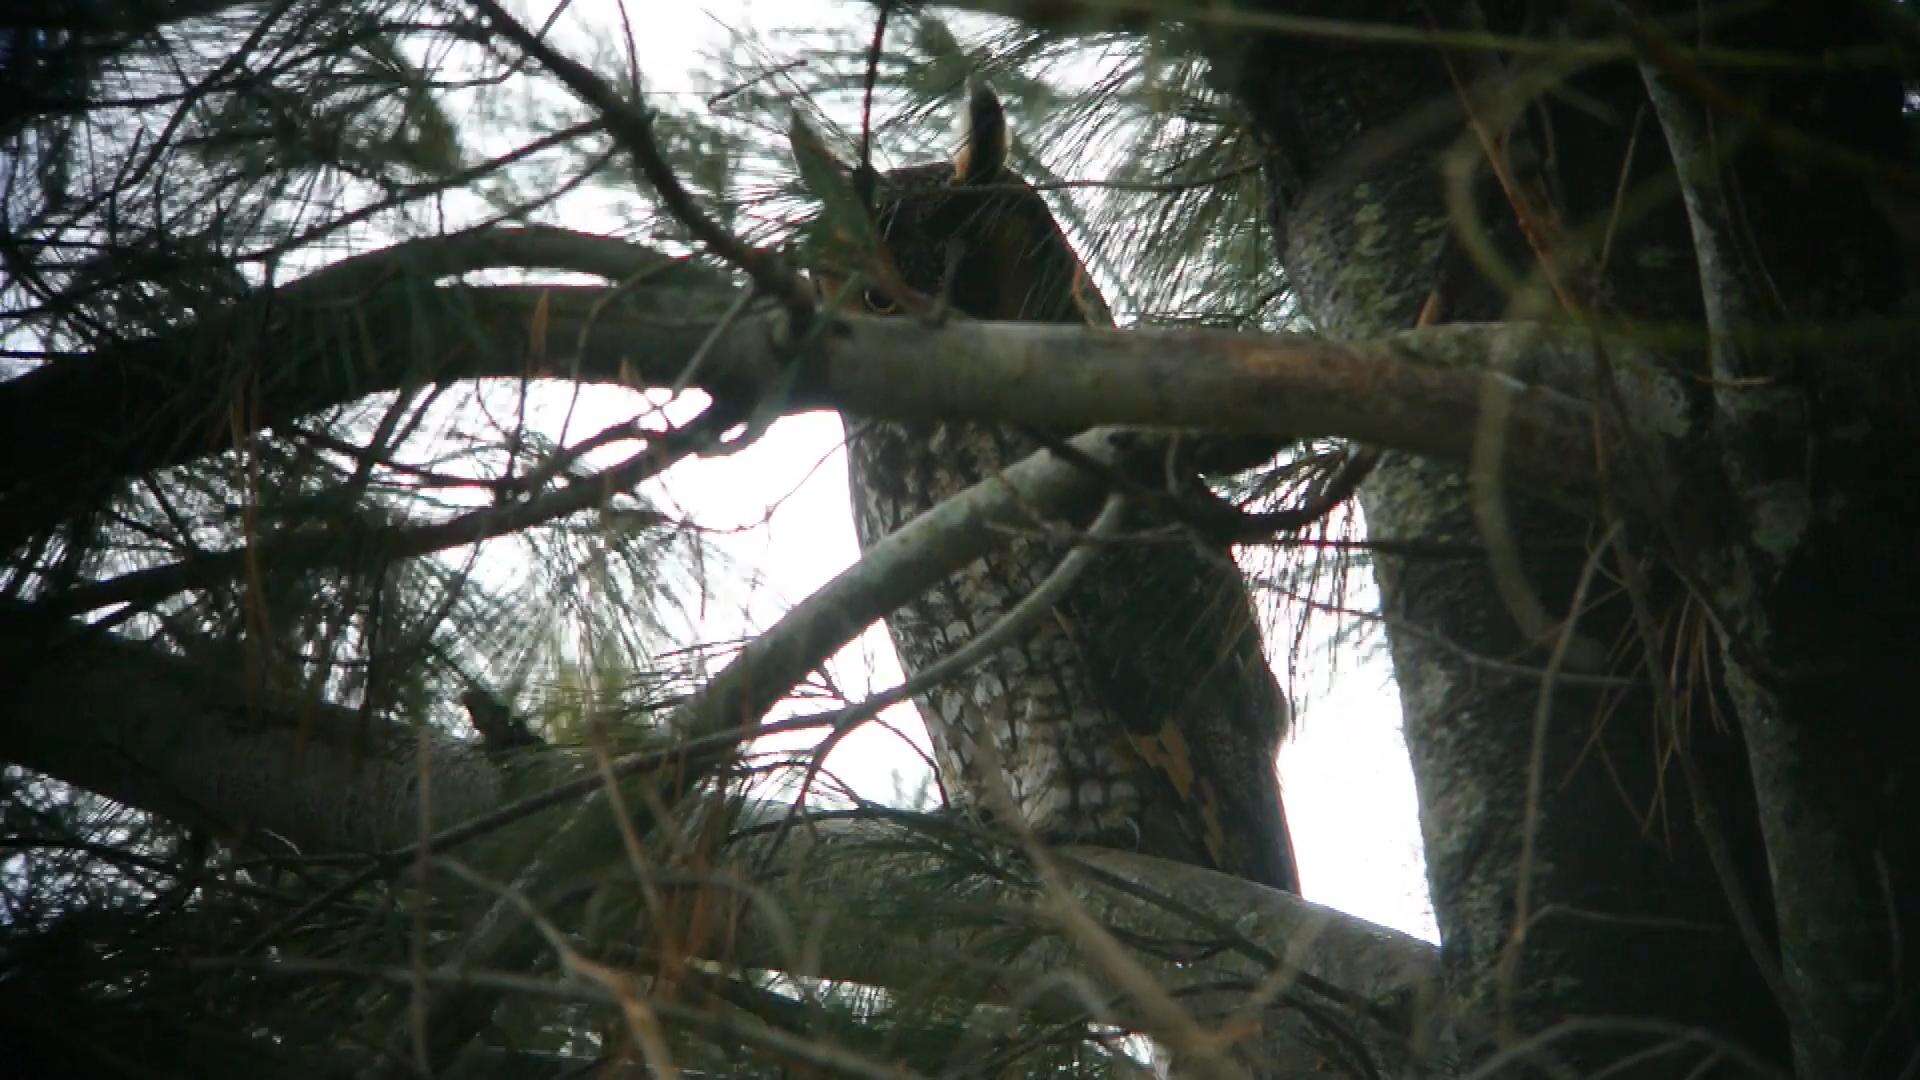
(1349, 793)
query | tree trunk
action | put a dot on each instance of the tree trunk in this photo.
(1570, 830)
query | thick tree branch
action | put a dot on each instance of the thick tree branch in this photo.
(1809, 784)
(365, 325)
(824, 892)
(378, 323)
(197, 743)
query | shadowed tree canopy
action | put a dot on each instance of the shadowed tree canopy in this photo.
(372, 708)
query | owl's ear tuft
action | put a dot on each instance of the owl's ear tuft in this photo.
(983, 147)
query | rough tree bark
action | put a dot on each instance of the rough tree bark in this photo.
(1801, 543)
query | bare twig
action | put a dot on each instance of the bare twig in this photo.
(1512, 952)
(633, 126)
(308, 549)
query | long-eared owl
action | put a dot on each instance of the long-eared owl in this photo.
(1141, 714)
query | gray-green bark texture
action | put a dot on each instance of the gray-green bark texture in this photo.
(1779, 596)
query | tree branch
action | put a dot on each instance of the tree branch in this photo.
(197, 743)
(378, 323)
(836, 899)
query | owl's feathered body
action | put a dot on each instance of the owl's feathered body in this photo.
(1141, 713)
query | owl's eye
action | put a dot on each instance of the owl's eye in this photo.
(879, 303)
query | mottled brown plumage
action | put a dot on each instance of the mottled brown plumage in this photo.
(1142, 713)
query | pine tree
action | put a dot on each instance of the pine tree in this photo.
(364, 711)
